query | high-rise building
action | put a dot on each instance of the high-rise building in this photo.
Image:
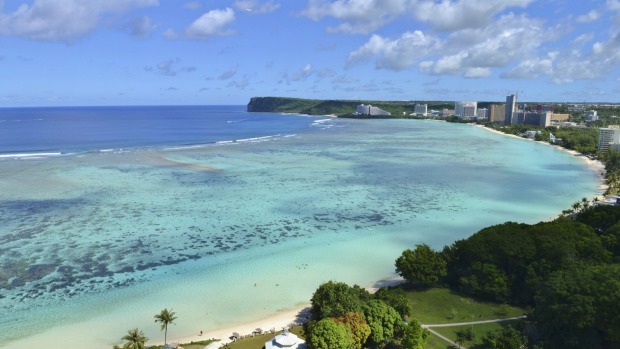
(511, 102)
(482, 113)
(607, 137)
(465, 110)
(421, 109)
(370, 110)
(497, 113)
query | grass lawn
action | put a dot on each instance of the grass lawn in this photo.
(479, 331)
(440, 306)
(258, 342)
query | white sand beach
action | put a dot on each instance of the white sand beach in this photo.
(277, 321)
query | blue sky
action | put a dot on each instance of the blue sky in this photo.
(143, 52)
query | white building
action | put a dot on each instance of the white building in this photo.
(465, 109)
(608, 137)
(370, 110)
(421, 109)
(286, 340)
(482, 113)
(591, 115)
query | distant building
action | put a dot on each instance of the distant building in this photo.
(576, 108)
(608, 137)
(522, 117)
(421, 109)
(497, 113)
(370, 110)
(559, 117)
(446, 112)
(465, 110)
(532, 134)
(542, 108)
(511, 102)
(591, 115)
(482, 113)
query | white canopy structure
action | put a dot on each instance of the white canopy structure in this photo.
(286, 340)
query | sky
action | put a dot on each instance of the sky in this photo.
(175, 52)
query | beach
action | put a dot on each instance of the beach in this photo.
(277, 322)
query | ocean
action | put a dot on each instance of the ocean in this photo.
(111, 214)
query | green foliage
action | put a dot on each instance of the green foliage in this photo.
(507, 338)
(396, 298)
(134, 339)
(506, 262)
(398, 109)
(328, 334)
(165, 317)
(579, 307)
(415, 336)
(465, 335)
(357, 326)
(335, 299)
(384, 322)
(421, 266)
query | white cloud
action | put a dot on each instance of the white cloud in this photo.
(467, 52)
(359, 16)
(531, 69)
(365, 16)
(476, 73)
(396, 54)
(212, 23)
(256, 6)
(454, 15)
(63, 20)
(170, 34)
(588, 17)
(583, 38)
(303, 73)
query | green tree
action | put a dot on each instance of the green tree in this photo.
(396, 298)
(165, 317)
(384, 322)
(421, 266)
(334, 299)
(358, 327)
(327, 334)
(579, 307)
(415, 336)
(506, 338)
(134, 339)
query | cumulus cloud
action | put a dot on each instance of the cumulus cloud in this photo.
(588, 17)
(398, 54)
(365, 16)
(531, 69)
(470, 52)
(255, 6)
(63, 20)
(212, 23)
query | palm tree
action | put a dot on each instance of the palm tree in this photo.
(135, 339)
(165, 317)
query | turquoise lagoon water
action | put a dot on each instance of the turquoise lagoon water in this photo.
(96, 243)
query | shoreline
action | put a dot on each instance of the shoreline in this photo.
(595, 166)
(278, 321)
(300, 314)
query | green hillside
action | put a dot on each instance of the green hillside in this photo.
(334, 107)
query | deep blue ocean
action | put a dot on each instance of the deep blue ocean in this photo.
(83, 129)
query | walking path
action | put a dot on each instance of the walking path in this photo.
(428, 327)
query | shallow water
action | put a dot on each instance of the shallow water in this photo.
(96, 244)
